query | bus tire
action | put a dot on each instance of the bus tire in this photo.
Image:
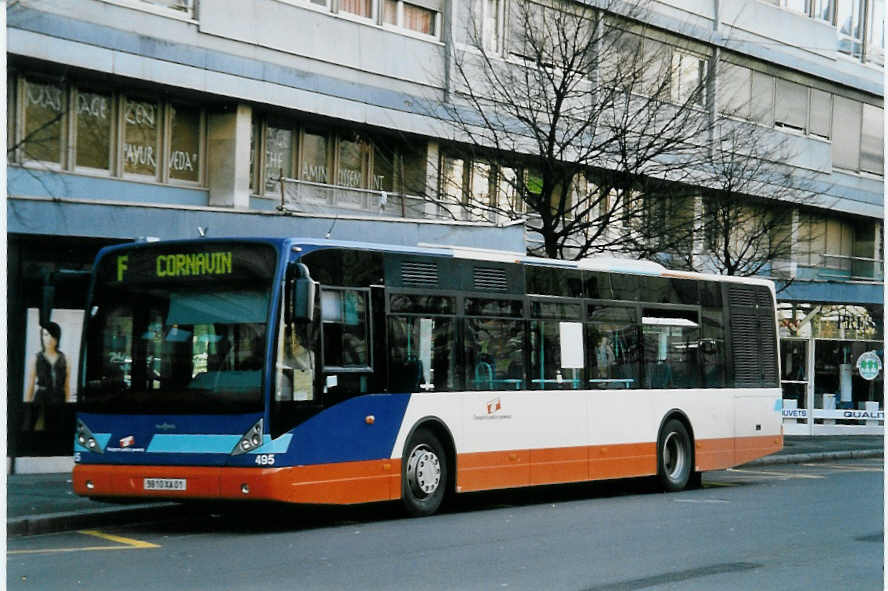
(424, 474)
(674, 457)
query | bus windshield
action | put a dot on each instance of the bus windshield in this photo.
(177, 344)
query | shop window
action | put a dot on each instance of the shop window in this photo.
(141, 136)
(794, 372)
(422, 354)
(278, 157)
(45, 105)
(94, 115)
(185, 131)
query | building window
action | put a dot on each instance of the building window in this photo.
(872, 140)
(820, 122)
(849, 23)
(94, 115)
(734, 90)
(791, 106)
(45, 105)
(182, 6)
(420, 16)
(822, 10)
(278, 157)
(185, 141)
(875, 31)
(825, 242)
(315, 156)
(846, 133)
(339, 158)
(351, 163)
(95, 130)
(688, 78)
(141, 137)
(362, 8)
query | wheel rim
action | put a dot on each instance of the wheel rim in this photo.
(674, 456)
(423, 471)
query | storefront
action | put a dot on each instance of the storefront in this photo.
(832, 369)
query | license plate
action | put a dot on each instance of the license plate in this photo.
(165, 484)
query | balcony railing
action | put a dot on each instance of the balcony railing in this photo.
(837, 266)
(310, 197)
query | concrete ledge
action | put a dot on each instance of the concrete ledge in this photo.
(54, 522)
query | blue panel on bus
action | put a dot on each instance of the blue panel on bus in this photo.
(342, 434)
(200, 440)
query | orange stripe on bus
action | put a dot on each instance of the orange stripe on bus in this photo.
(339, 483)
(380, 480)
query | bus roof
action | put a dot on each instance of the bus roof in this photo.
(597, 263)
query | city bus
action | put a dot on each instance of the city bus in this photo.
(330, 372)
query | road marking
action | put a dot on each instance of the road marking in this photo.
(776, 474)
(847, 468)
(124, 544)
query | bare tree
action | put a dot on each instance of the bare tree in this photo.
(578, 124)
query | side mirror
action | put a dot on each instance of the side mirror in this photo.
(302, 299)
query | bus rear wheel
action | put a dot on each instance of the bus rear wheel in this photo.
(424, 474)
(674, 457)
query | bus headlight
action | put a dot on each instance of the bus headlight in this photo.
(86, 439)
(251, 440)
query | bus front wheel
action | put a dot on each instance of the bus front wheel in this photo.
(423, 474)
(674, 457)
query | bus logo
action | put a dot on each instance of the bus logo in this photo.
(127, 441)
(494, 405)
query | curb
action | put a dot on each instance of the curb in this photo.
(30, 525)
(817, 457)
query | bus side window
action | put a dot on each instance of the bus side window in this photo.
(494, 354)
(422, 355)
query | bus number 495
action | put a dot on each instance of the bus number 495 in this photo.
(265, 460)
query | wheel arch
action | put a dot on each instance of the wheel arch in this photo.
(682, 417)
(442, 432)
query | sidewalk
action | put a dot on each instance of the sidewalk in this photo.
(44, 503)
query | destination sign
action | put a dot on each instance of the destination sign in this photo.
(197, 262)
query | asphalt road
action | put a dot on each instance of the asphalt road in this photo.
(809, 526)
